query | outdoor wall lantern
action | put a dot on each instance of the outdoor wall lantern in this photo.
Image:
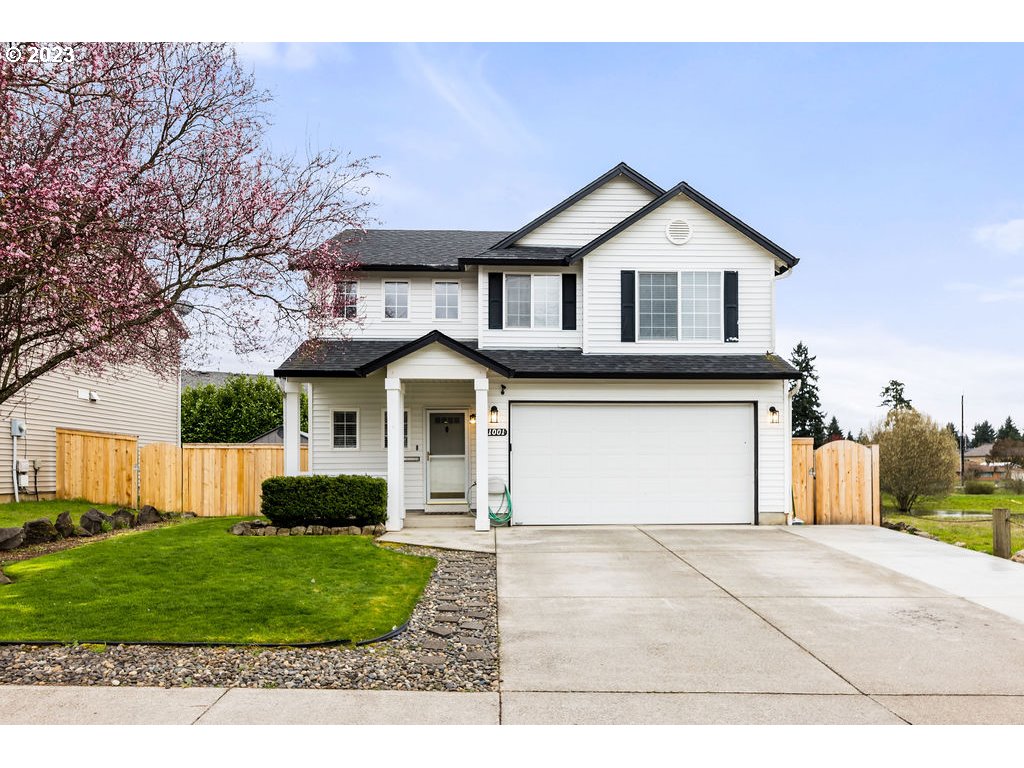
(494, 414)
(472, 418)
(773, 415)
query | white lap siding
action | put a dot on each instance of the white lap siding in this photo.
(714, 245)
(773, 440)
(368, 397)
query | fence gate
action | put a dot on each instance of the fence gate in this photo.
(837, 484)
(98, 466)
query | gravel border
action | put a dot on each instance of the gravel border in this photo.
(451, 644)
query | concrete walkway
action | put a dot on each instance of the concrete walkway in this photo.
(669, 624)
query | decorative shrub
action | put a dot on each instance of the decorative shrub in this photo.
(1013, 486)
(979, 488)
(325, 500)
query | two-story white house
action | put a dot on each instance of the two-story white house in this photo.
(610, 362)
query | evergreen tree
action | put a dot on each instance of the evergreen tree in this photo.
(849, 435)
(833, 429)
(951, 428)
(982, 433)
(1008, 431)
(808, 419)
(892, 397)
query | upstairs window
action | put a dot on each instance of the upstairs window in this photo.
(396, 300)
(702, 306)
(533, 301)
(346, 299)
(658, 305)
(446, 301)
(674, 306)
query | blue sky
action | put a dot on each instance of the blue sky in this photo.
(895, 172)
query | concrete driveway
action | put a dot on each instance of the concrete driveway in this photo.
(754, 625)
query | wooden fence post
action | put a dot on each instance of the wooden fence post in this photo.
(1001, 533)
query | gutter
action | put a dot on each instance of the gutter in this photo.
(790, 515)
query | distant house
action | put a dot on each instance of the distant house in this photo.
(216, 378)
(276, 437)
(977, 464)
(137, 402)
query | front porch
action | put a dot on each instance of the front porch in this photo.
(421, 422)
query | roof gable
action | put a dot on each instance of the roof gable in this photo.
(620, 171)
(682, 188)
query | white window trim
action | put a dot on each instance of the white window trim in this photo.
(458, 300)
(384, 429)
(679, 309)
(355, 305)
(383, 301)
(358, 429)
(533, 302)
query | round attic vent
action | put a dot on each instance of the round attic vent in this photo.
(678, 231)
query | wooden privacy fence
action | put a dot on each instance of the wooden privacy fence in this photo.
(98, 466)
(210, 480)
(836, 484)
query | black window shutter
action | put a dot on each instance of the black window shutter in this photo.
(732, 306)
(628, 282)
(568, 302)
(495, 300)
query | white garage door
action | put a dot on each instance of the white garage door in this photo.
(621, 463)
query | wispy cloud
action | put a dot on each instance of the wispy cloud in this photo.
(1006, 289)
(461, 84)
(1007, 237)
(289, 56)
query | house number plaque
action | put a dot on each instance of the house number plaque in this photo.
(496, 432)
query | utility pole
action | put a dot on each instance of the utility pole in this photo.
(963, 438)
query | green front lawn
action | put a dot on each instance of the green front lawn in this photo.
(976, 534)
(194, 582)
(14, 515)
(962, 502)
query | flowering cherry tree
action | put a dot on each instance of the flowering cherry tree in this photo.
(142, 216)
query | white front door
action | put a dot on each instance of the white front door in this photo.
(446, 456)
(632, 463)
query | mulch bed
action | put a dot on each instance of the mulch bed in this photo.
(451, 644)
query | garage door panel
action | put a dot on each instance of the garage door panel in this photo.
(632, 463)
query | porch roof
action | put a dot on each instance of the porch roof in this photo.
(361, 357)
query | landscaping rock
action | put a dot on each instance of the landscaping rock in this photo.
(4, 579)
(149, 515)
(298, 530)
(283, 532)
(354, 530)
(11, 538)
(123, 518)
(270, 531)
(94, 520)
(39, 531)
(81, 533)
(315, 530)
(380, 529)
(367, 530)
(239, 529)
(959, 543)
(187, 515)
(65, 525)
(1018, 556)
(926, 535)
(336, 531)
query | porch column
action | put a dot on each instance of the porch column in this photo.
(483, 522)
(396, 454)
(291, 427)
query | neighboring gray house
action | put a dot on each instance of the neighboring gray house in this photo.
(276, 437)
(611, 362)
(136, 403)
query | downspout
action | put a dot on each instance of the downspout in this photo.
(790, 513)
(14, 465)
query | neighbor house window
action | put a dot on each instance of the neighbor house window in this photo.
(346, 298)
(446, 301)
(658, 305)
(346, 429)
(533, 301)
(396, 300)
(701, 307)
(405, 428)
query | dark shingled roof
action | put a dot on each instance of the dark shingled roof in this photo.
(358, 358)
